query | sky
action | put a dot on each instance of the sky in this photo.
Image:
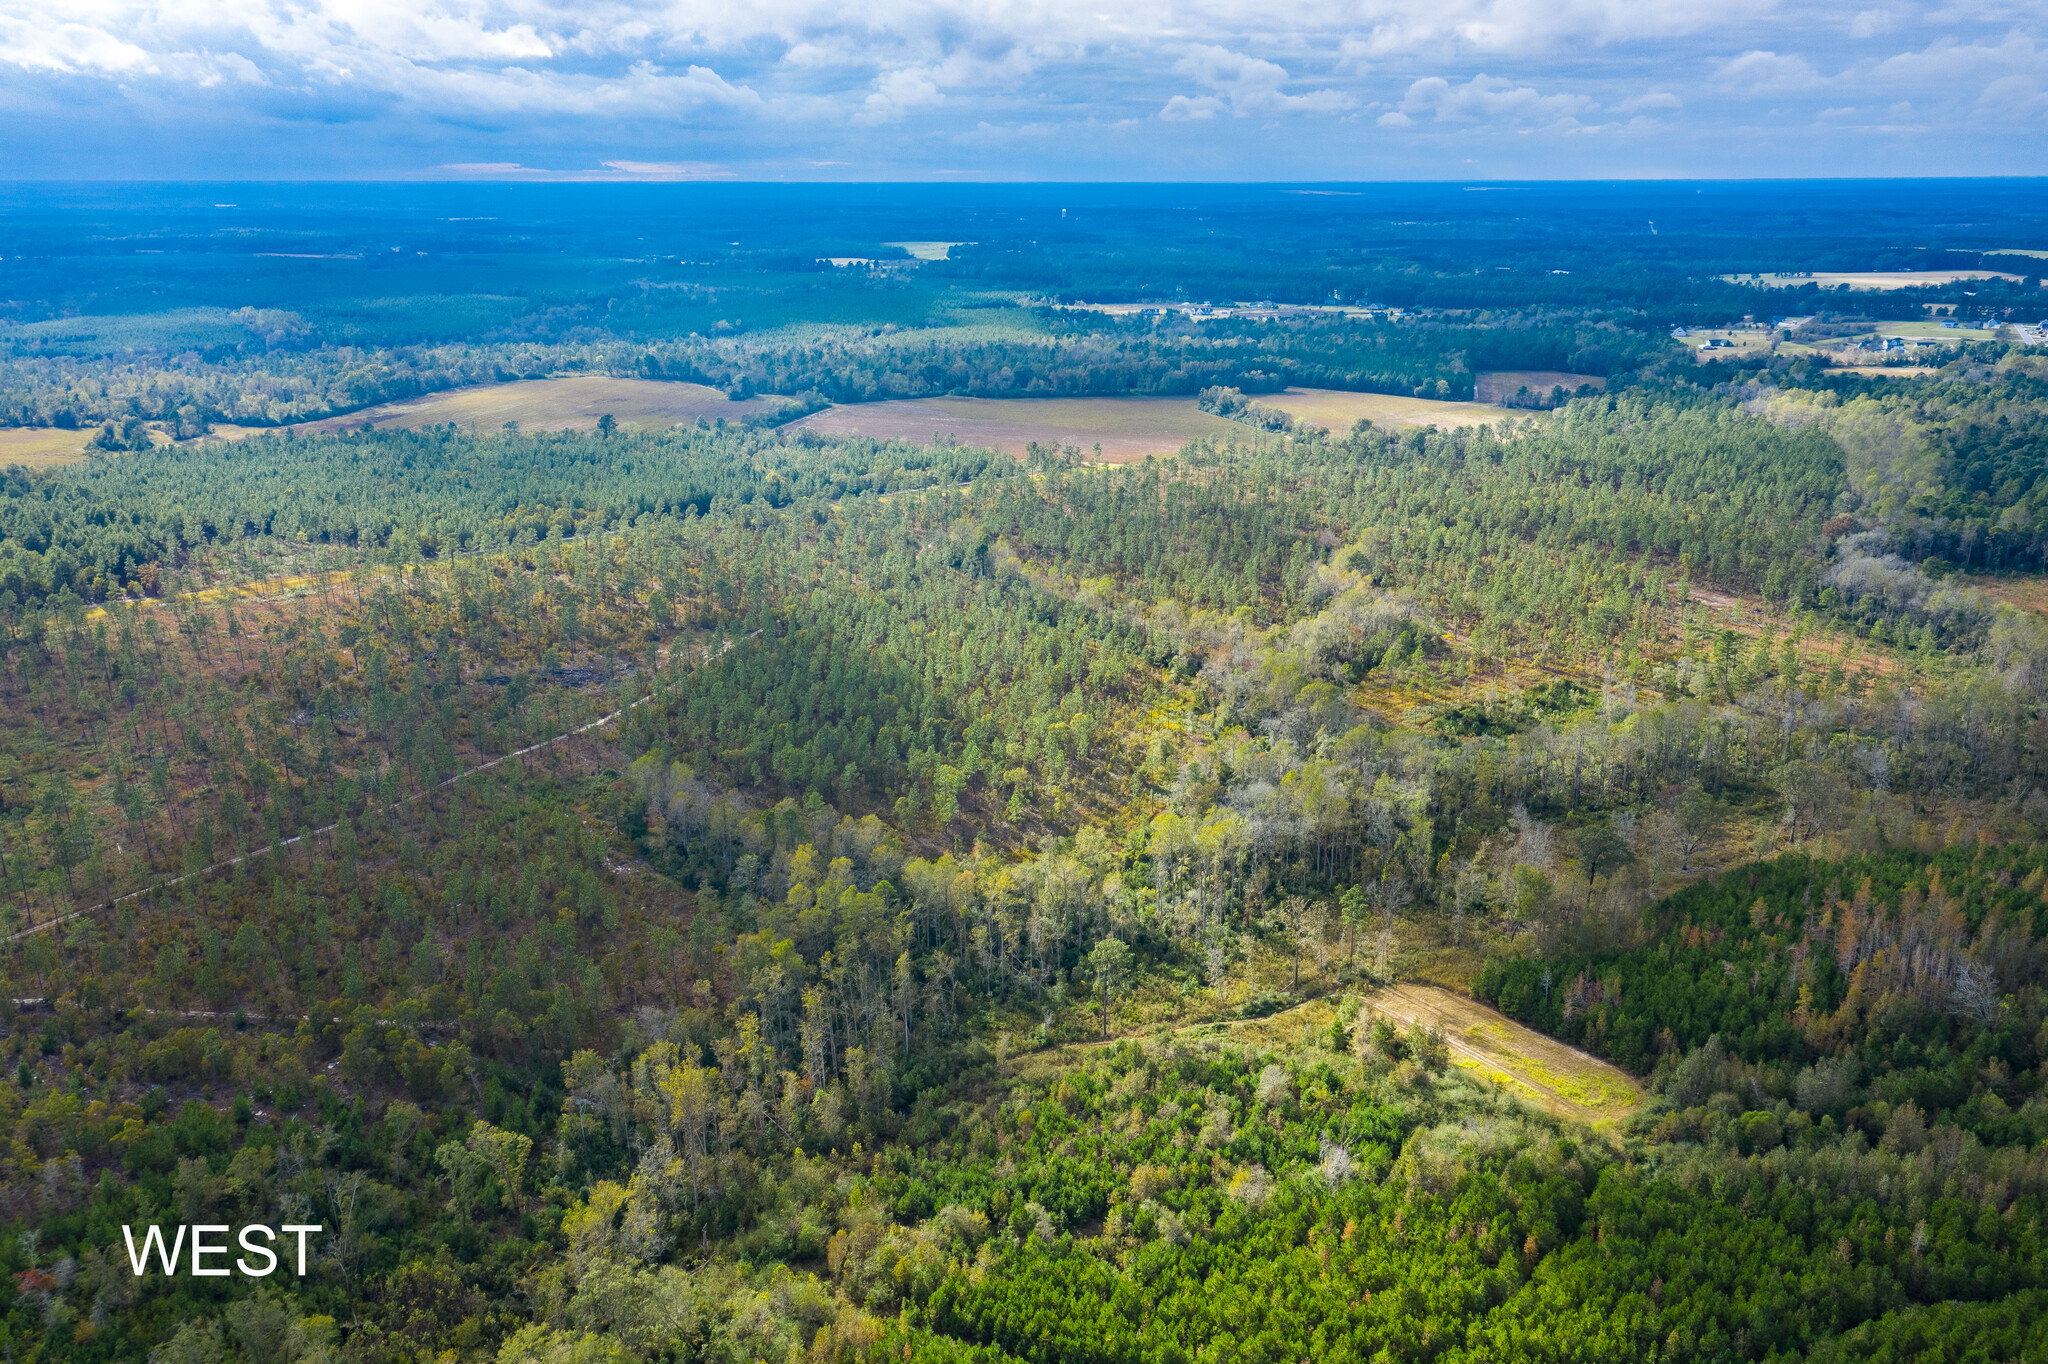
(1020, 89)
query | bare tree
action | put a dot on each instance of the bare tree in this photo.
(1306, 922)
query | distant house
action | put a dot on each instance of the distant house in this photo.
(1680, 331)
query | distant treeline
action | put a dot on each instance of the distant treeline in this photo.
(1077, 354)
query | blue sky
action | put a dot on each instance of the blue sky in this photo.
(1020, 89)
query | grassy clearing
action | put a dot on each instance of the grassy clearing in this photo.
(2027, 592)
(1338, 410)
(1542, 1070)
(41, 447)
(570, 404)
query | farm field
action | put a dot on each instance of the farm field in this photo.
(1883, 371)
(41, 447)
(927, 250)
(1869, 279)
(1337, 409)
(570, 404)
(1498, 386)
(1126, 428)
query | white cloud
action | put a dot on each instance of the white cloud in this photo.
(792, 82)
(35, 42)
(668, 170)
(1948, 61)
(1249, 85)
(1487, 99)
(1761, 72)
(2015, 97)
(898, 92)
(1655, 99)
(1183, 109)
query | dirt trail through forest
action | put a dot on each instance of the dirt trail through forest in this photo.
(279, 848)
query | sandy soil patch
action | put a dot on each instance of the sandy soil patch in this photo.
(569, 404)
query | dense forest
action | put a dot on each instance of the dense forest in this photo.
(659, 895)
(736, 893)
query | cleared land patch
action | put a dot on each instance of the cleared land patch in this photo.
(927, 250)
(1126, 428)
(570, 404)
(1502, 385)
(1338, 409)
(1869, 279)
(1541, 1069)
(41, 447)
(2027, 592)
(1537, 1069)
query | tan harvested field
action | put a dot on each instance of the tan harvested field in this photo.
(928, 250)
(1337, 409)
(41, 447)
(1500, 385)
(1540, 1069)
(570, 404)
(1126, 428)
(1882, 371)
(1869, 279)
